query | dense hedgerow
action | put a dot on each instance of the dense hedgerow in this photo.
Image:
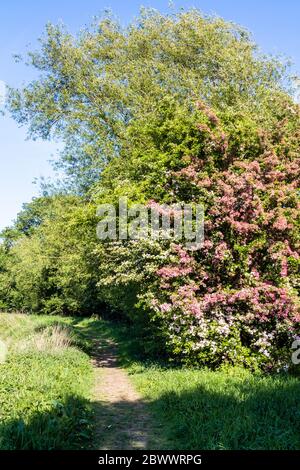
(48, 264)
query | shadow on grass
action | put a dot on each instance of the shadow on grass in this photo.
(79, 424)
(223, 413)
(255, 412)
(265, 417)
(119, 424)
(66, 425)
(262, 418)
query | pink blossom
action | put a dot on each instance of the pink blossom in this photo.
(280, 223)
(165, 307)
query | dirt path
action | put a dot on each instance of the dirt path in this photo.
(122, 418)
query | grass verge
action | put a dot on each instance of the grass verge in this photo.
(45, 385)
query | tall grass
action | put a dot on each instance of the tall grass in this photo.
(45, 384)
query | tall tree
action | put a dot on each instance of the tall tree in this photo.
(92, 86)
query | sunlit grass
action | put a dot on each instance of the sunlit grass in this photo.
(45, 384)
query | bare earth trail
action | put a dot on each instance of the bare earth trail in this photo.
(122, 419)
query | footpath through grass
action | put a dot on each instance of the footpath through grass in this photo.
(46, 384)
(202, 409)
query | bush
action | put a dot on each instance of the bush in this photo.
(237, 298)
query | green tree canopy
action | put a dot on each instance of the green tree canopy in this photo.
(92, 86)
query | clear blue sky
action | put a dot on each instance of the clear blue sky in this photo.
(274, 24)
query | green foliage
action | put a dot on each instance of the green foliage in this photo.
(237, 298)
(53, 268)
(193, 408)
(94, 89)
(228, 409)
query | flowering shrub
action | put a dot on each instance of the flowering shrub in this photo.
(248, 326)
(237, 298)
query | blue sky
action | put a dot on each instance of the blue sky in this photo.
(274, 24)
